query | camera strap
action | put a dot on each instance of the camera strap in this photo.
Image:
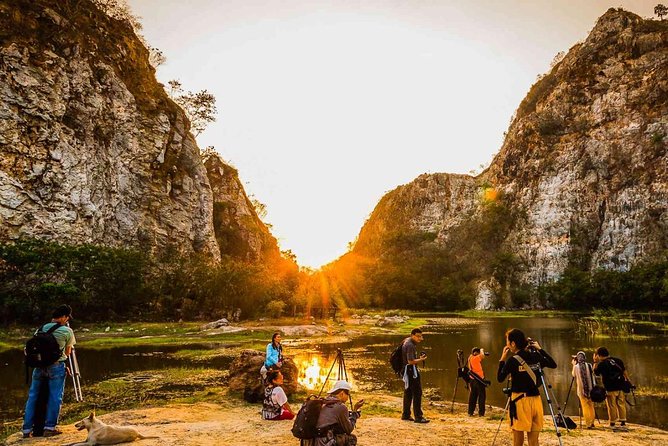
(527, 368)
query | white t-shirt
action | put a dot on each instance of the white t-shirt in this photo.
(278, 396)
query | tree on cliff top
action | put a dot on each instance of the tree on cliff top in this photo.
(660, 10)
(200, 107)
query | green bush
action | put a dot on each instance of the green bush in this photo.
(103, 283)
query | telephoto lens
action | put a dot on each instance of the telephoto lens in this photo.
(486, 353)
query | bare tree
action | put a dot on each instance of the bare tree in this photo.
(200, 107)
(155, 57)
(660, 10)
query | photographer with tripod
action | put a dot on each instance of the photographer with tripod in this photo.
(477, 385)
(523, 359)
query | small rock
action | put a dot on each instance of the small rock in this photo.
(119, 329)
(107, 329)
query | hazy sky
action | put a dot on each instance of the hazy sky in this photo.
(326, 105)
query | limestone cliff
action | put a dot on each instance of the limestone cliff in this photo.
(91, 148)
(583, 170)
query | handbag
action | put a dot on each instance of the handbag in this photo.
(597, 394)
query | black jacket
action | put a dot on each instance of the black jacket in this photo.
(521, 381)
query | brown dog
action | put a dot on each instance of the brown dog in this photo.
(100, 433)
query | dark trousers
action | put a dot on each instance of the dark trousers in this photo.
(413, 394)
(476, 394)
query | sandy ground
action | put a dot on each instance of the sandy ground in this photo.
(212, 424)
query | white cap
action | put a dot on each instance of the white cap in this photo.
(341, 385)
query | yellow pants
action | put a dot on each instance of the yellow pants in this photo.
(616, 402)
(529, 413)
(587, 410)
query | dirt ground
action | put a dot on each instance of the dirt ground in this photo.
(240, 424)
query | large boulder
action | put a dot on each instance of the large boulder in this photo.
(245, 375)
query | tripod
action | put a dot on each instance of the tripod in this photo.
(76, 376)
(547, 386)
(460, 373)
(505, 409)
(342, 373)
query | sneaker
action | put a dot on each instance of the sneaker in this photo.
(51, 432)
(590, 427)
(408, 418)
(422, 420)
(27, 435)
(622, 423)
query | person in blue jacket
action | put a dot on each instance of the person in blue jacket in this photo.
(274, 357)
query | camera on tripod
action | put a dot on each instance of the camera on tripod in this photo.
(507, 390)
(476, 350)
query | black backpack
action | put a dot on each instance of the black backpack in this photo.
(597, 394)
(42, 349)
(306, 421)
(397, 360)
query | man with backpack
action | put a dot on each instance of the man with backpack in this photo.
(616, 383)
(411, 377)
(335, 423)
(47, 351)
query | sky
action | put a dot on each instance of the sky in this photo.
(326, 105)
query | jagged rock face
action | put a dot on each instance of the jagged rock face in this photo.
(91, 148)
(239, 231)
(431, 203)
(584, 165)
(588, 163)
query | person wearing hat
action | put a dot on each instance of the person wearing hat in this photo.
(477, 393)
(55, 374)
(583, 373)
(335, 424)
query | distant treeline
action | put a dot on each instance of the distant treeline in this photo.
(644, 286)
(103, 283)
(411, 270)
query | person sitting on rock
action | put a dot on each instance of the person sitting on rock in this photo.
(275, 405)
(274, 357)
(335, 424)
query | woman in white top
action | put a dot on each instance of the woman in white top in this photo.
(584, 376)
(275, 405)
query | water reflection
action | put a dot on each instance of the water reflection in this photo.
(556, 335)
(96, 365)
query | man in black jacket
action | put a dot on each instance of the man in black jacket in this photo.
(520, 360)
(614, 376)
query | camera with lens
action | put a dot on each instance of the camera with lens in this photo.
(422, 354)
(507, 390)
(531, 344)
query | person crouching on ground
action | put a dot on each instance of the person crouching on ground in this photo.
(520, 360)
(275, 405)
(584, 377)
(274, 357)
(335, 424)
(477, 391)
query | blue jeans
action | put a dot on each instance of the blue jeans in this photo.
(55, 374)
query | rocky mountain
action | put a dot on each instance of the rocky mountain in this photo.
(92, 150)
(580, 181)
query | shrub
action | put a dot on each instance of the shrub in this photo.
(275, 308)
